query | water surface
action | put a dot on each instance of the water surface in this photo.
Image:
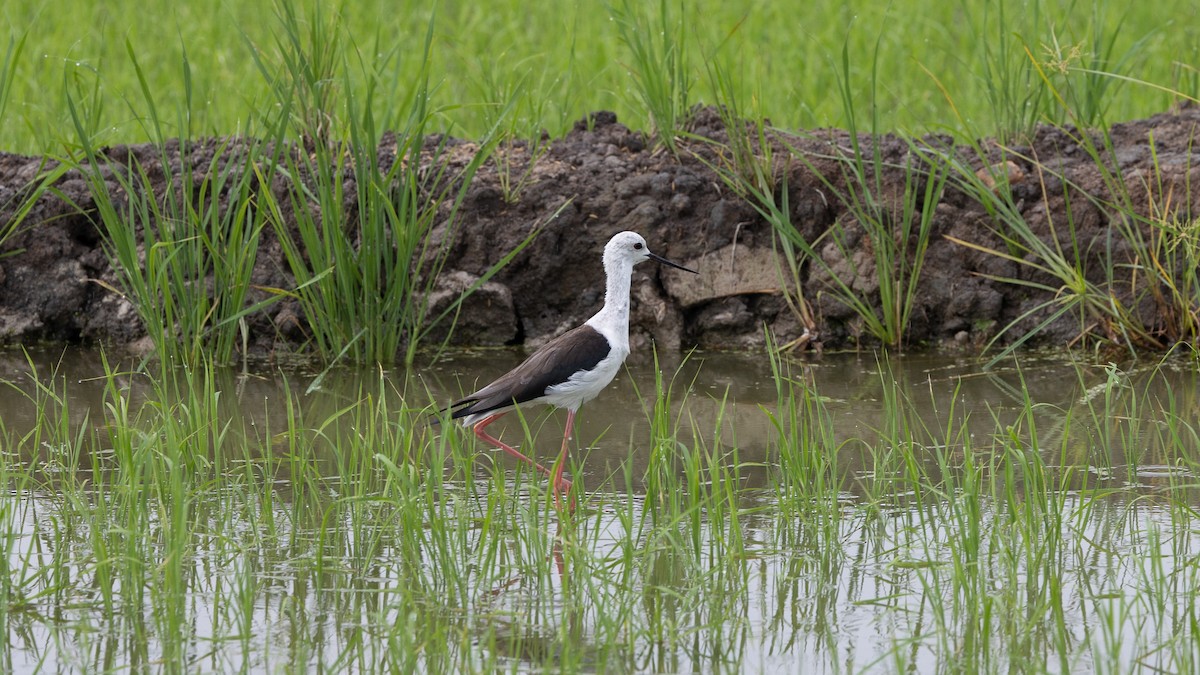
(924, 515)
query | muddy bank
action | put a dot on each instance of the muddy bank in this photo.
(56, 281)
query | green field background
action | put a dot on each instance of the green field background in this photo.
(927, 66)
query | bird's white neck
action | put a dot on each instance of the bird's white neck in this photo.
(613, 319)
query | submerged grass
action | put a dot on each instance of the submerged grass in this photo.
(336, 529)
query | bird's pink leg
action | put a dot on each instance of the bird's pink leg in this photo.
(488, 438)
(558, 483)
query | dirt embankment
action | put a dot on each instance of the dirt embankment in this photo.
(56, 281)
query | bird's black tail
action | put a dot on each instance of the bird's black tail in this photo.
(453, 411)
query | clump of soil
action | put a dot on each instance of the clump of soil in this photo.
(56, 281)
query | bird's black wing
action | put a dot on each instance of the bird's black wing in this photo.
(578, 349)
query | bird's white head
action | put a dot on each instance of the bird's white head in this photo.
(622, 252)
(627, 249)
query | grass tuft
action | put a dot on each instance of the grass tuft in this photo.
(659, 64)
(183, 261)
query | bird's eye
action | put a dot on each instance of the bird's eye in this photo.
(637, 247)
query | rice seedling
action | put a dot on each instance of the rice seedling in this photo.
(1011, 84)
(1156, 266)
(199, 519)
(323, 90)
(8, 70)
(328, 527)
(523, 141)
(898, 226)
(989, 538)
(976, 52)
(1061, 259)
(516, 163)
(807, 447)
(747, 164)
(899, 233)
(659, 64)
(18, 204)
(365, 262)
(183, 263)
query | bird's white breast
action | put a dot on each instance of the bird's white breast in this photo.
(586, 385)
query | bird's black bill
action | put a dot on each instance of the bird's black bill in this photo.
(659, 258)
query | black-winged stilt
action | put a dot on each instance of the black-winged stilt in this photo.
(571, 369)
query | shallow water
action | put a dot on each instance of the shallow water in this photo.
(941, 535)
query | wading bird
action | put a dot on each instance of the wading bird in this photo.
(571, 369)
